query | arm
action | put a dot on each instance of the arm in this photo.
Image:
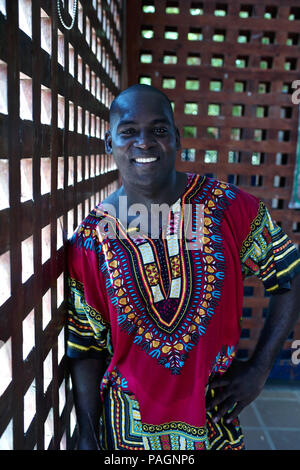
(244, 380)
(86, 377)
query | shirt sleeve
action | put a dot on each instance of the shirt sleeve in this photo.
(88, 328)
(88, 334)
(268, 253)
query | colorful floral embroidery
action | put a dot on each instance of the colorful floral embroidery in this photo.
(115, 379)
(223, 360)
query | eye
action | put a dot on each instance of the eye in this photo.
(129, 131)
(160, 130)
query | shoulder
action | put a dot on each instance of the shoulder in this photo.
(99, 212)
(237, 195)
(225, 195)
(237, 208)
(86, 236)
(112, 199)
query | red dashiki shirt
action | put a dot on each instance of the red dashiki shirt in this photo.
(168, 311)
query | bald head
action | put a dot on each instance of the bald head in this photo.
(131, 92)
(142, 126)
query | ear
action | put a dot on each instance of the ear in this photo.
(178, 142)
(108, 142)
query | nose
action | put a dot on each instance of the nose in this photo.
(144, 140)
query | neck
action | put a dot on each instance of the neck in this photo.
(168, 192)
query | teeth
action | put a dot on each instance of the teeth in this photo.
(145, 160)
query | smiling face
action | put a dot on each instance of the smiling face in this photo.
(143, 139)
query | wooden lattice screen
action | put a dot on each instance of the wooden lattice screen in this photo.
(56, 86)
(228, 67)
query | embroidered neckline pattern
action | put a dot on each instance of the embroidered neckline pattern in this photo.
(167, 328)
(165, 323)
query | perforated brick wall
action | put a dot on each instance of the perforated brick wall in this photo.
(228, 67)
(56, 88)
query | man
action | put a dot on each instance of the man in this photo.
(156, 319)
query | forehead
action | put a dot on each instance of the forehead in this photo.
(142, 107)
